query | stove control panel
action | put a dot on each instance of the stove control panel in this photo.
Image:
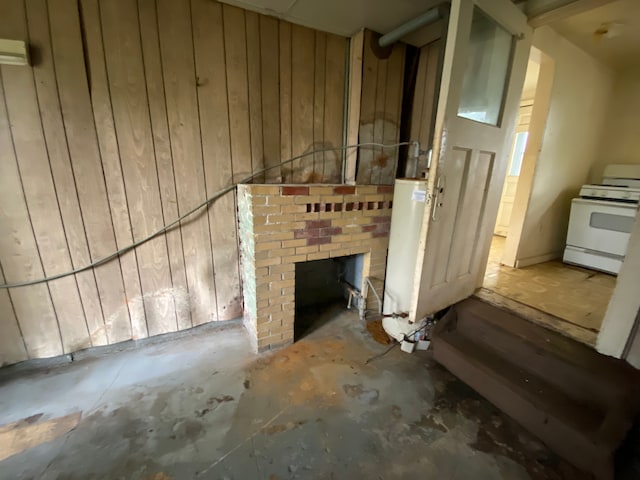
(611, 193)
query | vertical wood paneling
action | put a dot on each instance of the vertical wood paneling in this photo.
(20, 259)
(12, 347)
(385, 171)
(356, 50)
(302, 83)
(255, 92)
(39, 191)
(424, 99)
(127, 88)
(127, 120)
(380, 111)
(176, 47)
(318, 106)
(367, 110)
(285, 99)
(76, 109)
(162, 147)
(60, 164)
(112, 167)
(238, 89)
(214, 114)
(334, 106)
(270, 96)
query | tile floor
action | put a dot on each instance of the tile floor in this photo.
(576, 295)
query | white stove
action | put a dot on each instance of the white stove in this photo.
(611, 193)
(602, 219)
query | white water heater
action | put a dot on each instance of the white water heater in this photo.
(409, 202)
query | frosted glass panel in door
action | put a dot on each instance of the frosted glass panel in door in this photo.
(486, 72)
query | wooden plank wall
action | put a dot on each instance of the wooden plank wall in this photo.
(133, 113)
(424, 99)
(380, 111)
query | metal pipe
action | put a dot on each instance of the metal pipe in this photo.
(375, 294)
(428, 17)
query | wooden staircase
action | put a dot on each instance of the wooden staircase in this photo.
(580, 403)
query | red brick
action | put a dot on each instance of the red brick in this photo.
(295, 190)
(330, 231)
(383, 188)
(318, 241)
(380, 234)
(306, 233)
(318, 223)
(344, 190)
(381, 219)
(369, 228)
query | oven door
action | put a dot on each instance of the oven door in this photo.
(601, 226)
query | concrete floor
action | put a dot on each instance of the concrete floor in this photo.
(202, 407)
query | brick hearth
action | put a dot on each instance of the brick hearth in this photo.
(281, 225)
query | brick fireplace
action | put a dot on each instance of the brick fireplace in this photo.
(281, 225)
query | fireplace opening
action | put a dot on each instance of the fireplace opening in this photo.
(322, 290)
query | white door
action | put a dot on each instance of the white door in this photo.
(486, 52)
(513, 171)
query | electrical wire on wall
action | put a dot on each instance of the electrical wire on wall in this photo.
(206, 203)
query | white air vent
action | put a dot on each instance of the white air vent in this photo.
(13, 52)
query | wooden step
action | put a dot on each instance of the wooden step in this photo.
(580, 403)
(567, 364)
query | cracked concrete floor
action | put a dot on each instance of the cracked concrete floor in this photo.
(202, 407)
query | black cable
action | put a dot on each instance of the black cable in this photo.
(211, 199)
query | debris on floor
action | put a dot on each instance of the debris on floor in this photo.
(374, 327)
(202, 407)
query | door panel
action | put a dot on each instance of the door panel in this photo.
(472, 146)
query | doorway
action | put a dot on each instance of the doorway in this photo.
(562, 297)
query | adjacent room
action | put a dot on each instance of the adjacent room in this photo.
(278, 239)
(561, 233)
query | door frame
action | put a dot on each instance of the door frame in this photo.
(537, 127)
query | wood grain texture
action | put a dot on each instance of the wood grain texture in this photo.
(270, 96)
(238, 90)
(319, 105)
(176, 47)
(284, 63)
(112, 166)
(20, 258)
(335, 60)
(302, 83)
(127, 89)
(385, 171)
(133, 113)
(218, 167)
(252, 27)
(380, 111)
(12, 346)
(164, 160)
(40, 195)
(61, 170)
(68, 57)
(356, 50)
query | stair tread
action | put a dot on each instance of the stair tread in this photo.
(609, 370)
(546, 397)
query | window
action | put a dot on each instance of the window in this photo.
(487, 69)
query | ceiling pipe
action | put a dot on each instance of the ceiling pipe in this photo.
(427, 18)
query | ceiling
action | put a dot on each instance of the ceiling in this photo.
(342, 17)
(621, 18)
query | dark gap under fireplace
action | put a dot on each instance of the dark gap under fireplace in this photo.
(322, 290)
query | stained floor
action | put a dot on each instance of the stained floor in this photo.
(201, 406)
(576, 295)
